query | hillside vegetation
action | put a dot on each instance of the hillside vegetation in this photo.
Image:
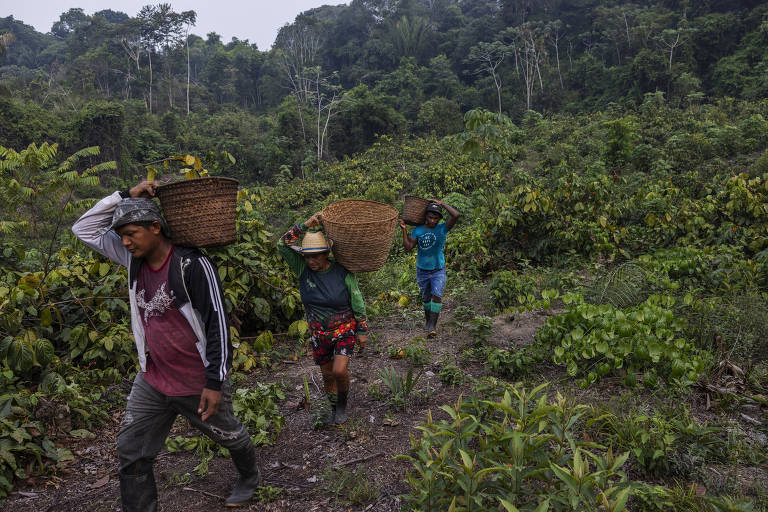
(609, 160)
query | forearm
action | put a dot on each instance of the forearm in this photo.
(451, 210)
(408, 243)
(357, 303)
(92, 228)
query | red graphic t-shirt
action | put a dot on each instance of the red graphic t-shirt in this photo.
(174, 366)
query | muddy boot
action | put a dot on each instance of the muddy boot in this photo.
(249, 476)
(340, 417)
(432, 324)
(427, 314)
(137, 488)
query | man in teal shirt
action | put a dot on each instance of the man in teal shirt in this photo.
(430, 260)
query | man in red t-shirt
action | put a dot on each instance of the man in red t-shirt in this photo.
(180, 326)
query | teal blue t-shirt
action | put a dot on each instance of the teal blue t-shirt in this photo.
(430, 243)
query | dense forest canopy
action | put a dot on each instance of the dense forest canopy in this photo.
(142, 86)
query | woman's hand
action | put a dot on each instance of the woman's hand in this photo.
(402, 224)
(313, 221)
(362, 339)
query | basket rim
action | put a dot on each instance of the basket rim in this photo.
(173, 184)
(393, 210)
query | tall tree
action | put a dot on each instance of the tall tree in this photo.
(488, 57)
(5, 39)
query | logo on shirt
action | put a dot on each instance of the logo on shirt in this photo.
(427, 241)
(157, 306)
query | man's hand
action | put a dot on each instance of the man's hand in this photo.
(362, 339)
(144, 189)
(210, 400)
(437, 201)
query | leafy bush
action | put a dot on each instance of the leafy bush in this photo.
(595, 341)
(506, 286)
(520, 452)
(663, 444)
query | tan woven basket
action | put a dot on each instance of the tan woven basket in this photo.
(361, 232)
(414, 210)
(200, 212)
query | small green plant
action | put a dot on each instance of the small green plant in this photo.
(513, 363)
(267, 494)
(452, 375)
(480, 327)
(179, 479)
(353, 487)
(400, 386)
(320, 412)
(416, 352)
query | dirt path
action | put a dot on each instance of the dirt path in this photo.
(347, 468)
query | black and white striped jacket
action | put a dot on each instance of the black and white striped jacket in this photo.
(194, 285)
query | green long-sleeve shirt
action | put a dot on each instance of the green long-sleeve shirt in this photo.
(330, 296)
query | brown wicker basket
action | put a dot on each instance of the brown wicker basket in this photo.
(361, 231)
(414, 210)
(200, 212)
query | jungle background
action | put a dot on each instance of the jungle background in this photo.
(604, 344)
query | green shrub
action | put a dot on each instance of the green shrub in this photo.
(594, 341)
(520, 451)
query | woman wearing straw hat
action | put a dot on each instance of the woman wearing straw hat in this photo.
(334, 309)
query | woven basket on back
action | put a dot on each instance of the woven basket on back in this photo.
(200, 212)
(414, 210)
(361, 232)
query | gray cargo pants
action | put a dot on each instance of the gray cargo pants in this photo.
(150, 414)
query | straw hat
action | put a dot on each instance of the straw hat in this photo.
(315, 242)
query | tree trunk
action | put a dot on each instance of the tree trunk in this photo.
(187, 72)
(150, 80)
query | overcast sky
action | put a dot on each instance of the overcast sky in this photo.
(255, 20)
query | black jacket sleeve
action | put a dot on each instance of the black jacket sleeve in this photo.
(207, 298)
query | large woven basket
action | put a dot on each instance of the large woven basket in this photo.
(200, 212)
(361, 232)
(414, 210)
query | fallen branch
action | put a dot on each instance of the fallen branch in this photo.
(206, 493)
(286, 483)
(361, 459)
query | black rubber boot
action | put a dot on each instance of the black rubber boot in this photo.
(330, 419)
(427, 316)
(249, 476)
(340, 417)
(138, 491)
(432, 324)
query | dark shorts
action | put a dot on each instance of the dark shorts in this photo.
(332, 340)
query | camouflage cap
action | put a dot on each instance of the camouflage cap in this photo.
(132, 210)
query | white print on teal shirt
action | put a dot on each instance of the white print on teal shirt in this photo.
(427, 241)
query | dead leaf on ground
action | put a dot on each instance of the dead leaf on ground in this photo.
(101, 482)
